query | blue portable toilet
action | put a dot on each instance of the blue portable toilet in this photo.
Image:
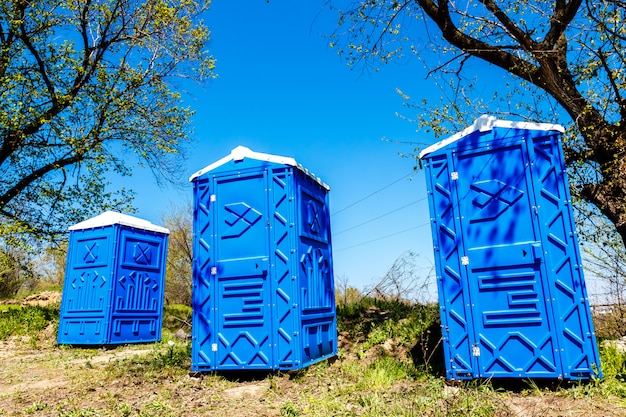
(114, 281)
(263, 289)
(512, 295)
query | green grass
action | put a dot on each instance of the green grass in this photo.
(612, 385)
(168, 359)
(383, 373)
(177, 316)
(387, 387)
(374, 321)
(25, 320)
(366, 380)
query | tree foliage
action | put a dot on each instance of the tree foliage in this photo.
(345, 294)
(179, 255)
(566, 61)
(51, 265)
(16, 270)
(87, 89)
(405, 281)
(604, 258)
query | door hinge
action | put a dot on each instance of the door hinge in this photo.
(454, 175)
(213, 270)
(464, 260)
(213, 198)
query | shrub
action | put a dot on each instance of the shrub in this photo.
(26, 320)
(177, 316)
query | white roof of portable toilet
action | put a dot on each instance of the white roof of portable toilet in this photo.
(241, 152)
(109, 218)
(486, 123)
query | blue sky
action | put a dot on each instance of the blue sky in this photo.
(282, 90)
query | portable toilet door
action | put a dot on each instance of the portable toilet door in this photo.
(263, 291)
(512, 296)
(114, 281)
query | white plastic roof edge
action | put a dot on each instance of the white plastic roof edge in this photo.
(109, 218)
(486, 123)
(241, 152)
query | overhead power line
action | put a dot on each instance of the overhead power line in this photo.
(379, 217)
(382, 237)
(372, 194)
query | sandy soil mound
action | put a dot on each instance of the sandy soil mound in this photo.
(43, 298)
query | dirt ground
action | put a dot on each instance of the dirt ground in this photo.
(54, 381)
(42, 369)
(43, 298)
(40, 378)
(57, 381)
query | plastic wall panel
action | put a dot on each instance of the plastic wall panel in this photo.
(316, 280)
(511, 291)
(139, 287)
(452, 284)
(203, 288)
(567, 286)
(283, 268)
(87, 288)
(257, 302)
